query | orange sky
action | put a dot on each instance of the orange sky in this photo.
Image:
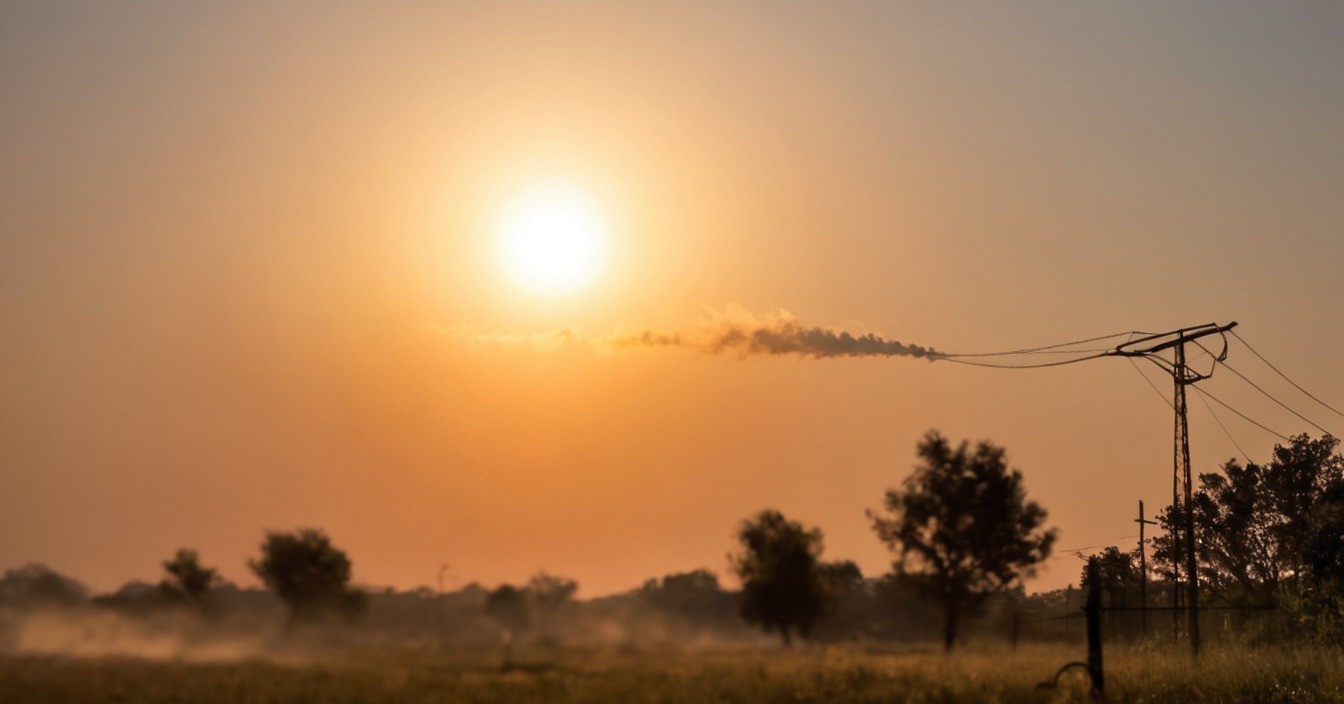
(228, 235)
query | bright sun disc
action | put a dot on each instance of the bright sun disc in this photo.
(554, 242)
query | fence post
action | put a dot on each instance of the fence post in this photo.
(1093, 613)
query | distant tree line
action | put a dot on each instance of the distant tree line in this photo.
(960, 526)
(962, 531)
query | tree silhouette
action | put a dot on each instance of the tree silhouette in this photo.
(550, 595)
(507, 605)
(1118, 573)
(690, 596)
(783, 588)
(962, 527)
(308, 573)
(1259, 527)
(551, 592)
(36, 585)
(187, 579)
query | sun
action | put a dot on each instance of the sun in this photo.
(554, 241)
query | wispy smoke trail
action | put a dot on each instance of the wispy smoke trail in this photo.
(733, 332)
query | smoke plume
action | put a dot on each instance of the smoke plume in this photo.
(732, 332)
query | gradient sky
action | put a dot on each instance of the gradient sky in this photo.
(229, 232)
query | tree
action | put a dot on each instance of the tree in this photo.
(962, 528)
(1260, 527)
(841, 577)
(36, 585)
(693, 596)
(308, 573)
(507, 605)
(551, 592)
(1323, 551)
(783, 588)
(1120, 578)
(550, 595)
(1118, 573)
(187, 579)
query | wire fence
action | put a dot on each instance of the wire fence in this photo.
(1239, 622)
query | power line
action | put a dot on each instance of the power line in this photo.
(1219, 421)
(1243, 416)
(1044, 348)
(1151, 385)
(1285, 376)
(1041, 365)
(1269, 395)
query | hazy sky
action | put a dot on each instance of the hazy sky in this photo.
(232, 236)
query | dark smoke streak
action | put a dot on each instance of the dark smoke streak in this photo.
(736, 332)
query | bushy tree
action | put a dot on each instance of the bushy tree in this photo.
(783, 588)
(507, 605)
(550, 592)
(187, 579)
(1120, 579)
(1260, 527)
(841, 577)
(36, 585)
(693, 596)
(1118, 575)
(962, 527)
(1272, 533)
(549, 595)
(308, 573)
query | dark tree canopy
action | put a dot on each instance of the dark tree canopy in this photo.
(842, 577)
(36, 585)
(1115, 569)
(1262, 526)
(187, 578)
(507, 605)
(783, 587)
(1118, 573)
(962, 527)
(691, 596)
(551, 592)
(550, 596)
(308, 573)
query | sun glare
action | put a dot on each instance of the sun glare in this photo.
(554, 241)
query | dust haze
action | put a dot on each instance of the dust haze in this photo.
(235, 625)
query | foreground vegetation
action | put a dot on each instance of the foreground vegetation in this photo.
(834, 674)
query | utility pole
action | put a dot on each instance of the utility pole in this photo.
(1143, 568)
(1149, 347)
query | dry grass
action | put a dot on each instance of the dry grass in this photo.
(748, 675)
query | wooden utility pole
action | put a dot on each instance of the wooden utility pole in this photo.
(1183, 376)
(1143, 568)
(1183, 469)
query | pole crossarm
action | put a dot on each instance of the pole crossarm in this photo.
(1177, 337)
(1170, 340)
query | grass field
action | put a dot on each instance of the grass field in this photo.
(838, 674)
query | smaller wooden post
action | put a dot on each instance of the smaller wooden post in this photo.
(1143, 568)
